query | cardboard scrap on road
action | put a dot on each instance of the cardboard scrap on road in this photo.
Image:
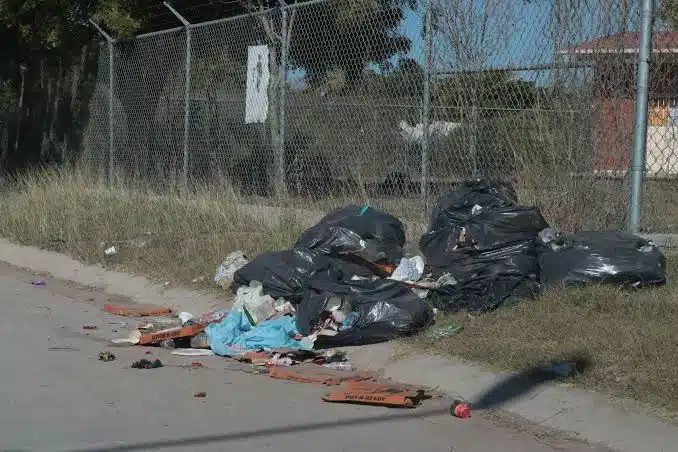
(136, 310)
(313, 373)
(171, 333)
(372, 393)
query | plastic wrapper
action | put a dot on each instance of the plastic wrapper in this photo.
(385, 309)
(601, 257)
(371, 234)
(286, 273)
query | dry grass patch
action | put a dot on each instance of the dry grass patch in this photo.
(165, 237)
(630, 338)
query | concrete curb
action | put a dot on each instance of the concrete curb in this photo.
(587, 415)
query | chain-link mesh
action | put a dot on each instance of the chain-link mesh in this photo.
(540, 93)
(660, 200)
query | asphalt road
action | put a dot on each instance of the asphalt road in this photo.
(56, 395)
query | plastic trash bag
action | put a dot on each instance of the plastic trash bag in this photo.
(252, 297)
(484, 294)
(224, 274)
(385, 309)
(371, 234)
(410, 269)
(285, 274)
(601, 257)
(478, 215)
(487, 243)
(234, 336)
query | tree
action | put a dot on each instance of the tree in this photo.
(347, 36)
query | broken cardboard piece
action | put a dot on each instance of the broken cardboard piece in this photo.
(136, 310)
(171, 333)
(312, 373)
(372, 393)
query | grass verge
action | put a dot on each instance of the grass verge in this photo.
(180, 239)
(630, 337)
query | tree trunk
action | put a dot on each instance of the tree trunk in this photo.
(20, 109)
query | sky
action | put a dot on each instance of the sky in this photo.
(520, 32)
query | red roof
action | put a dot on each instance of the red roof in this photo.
(628, 42)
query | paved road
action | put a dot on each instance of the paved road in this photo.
(66, 399)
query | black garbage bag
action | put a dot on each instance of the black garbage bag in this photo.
(484, 294)
(477, 215)
(481, 192)
(487, 243)
(386, 309)
(371, 234)
(488, 279)
(286, 273)
(601, 257)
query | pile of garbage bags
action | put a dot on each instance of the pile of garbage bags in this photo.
(346, 280)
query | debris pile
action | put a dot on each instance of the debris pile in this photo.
(347, 282)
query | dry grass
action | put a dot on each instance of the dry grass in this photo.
(164, 237)
(630, 337)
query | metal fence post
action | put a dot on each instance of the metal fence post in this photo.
(640, 122)
(285, 33)
(426, 107)
(111, 147)
(187, 93)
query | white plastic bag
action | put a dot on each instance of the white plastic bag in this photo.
(410, 269)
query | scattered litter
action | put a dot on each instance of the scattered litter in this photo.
(279, 360)
(171, 333)
(410, 269)
(312, 373)
(160, 323)
(252, 301)
(146, 364)
(199, 341)
(371, 393)
(441, 332)
(133, 339)
(561, 369)
(192, 352)
(148, 352)
(225, 271)
(235, 335)
(343, 366)
(89, 327)
(200, 395)
(63, 349)
(136, 310)
(196, 364)
(185, 317)
(460, 409)
(110, 251)
(106, 356)
(39, 283)
(168, 344)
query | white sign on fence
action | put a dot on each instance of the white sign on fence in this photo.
(256, 98)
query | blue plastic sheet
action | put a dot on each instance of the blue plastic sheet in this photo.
(234, 336)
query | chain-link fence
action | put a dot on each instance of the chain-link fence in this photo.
(326, 102)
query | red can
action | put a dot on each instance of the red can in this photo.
(460, 409)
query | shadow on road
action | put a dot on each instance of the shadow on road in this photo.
(508, 389)
(522, 383)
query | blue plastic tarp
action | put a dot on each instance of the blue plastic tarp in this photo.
(234, 336)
